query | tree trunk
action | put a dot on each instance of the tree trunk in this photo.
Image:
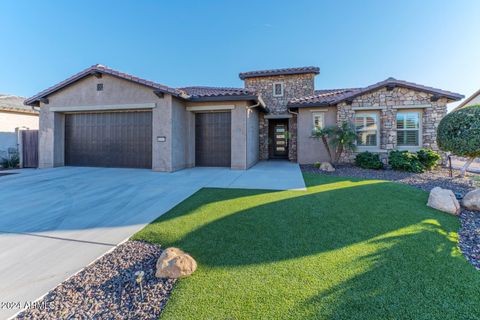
(465, 167)
(325, 142)
(338, 153)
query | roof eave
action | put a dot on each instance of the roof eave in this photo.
(286, 73)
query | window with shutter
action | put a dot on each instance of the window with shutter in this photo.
(366, 126)
(408, 129)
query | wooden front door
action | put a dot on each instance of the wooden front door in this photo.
(279, 138)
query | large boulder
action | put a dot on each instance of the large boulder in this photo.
(471, 201)
(174, 263)
(327, 166)
(443, 200)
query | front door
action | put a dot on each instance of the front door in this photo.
(279, 140)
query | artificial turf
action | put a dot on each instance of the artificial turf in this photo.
(344, 249)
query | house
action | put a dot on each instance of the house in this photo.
(470, 101)
(102, 117)
(14, 116)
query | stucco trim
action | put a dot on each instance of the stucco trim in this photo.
(105, 107)
(278, 116)
(413, 106)
(367, 108)
(210, 108)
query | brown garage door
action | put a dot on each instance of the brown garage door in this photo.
(111, 139)
(212, 139)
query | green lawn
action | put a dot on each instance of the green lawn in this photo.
(344, 249)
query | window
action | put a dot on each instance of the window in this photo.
(318, 120)
(408, 129)
(278, 89)
(99, 86)
(366, 126)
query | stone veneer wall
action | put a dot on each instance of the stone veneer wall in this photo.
(295, 86)
(390, 101)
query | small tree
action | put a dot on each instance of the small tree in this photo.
(459, 133)
(340, 139)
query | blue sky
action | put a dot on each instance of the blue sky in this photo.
(179, 43)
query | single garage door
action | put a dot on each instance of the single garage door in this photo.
(213, 139)
(110, 139)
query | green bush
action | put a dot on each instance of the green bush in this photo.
(428, 158)
(11, 161)
(368, 160)
(459, 132)
(317, 165)
(405, 161)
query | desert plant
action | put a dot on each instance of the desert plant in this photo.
(428, 158)
(10, 161)
(459, 133)
(405, 161)
(368, 160)
(336, 140)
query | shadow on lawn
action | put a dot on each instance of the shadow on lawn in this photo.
(307, 224)
(401, 259)
(400, 284)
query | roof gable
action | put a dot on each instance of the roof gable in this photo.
(335, 96)
(279, 72)
(187, 93)
(98, 70)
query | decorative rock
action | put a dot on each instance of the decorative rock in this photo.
(443, 200)
(173, 263)
(471, 201)
(327, 166)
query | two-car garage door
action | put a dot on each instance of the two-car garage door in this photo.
(124, 139)
(110, 139)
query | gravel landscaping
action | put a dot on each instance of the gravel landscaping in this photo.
(107, 288)
(470, 230)
(425, 181)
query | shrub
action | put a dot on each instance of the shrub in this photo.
(405, 161)
(368, 160)
(428, 158)
(11, 161)
(317, 165)
(459, 133)
(336, 139)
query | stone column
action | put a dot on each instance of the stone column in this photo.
(292, 141)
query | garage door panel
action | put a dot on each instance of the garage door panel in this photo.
(113, 139)
(213, 139)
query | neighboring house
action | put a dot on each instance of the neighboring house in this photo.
(470, 101)
(14, 116)
(102, 117)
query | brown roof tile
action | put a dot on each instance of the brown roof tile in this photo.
(278, 72)
(104, 70)
(334, 96)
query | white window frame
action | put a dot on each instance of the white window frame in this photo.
(377, 121)
(316, 114)
(420, 130)
(281, 85)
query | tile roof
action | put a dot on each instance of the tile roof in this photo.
(334, 96)
(199, 91)
(98, 68)
(322, 97)
(278, 72)
(187, 93)
(15, 104)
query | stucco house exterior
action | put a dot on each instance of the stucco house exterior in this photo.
(102, 117)
(14, 116)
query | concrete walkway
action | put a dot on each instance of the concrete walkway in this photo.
(54, 222)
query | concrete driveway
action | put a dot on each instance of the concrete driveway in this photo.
(54, 222)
